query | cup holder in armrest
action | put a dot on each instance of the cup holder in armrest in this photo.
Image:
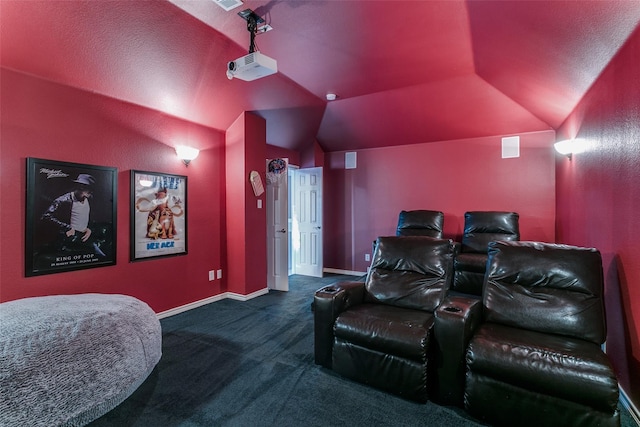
(452, 309)
(329, 289)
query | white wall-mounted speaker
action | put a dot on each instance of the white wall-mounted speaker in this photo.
(510, 147)
(350, 160)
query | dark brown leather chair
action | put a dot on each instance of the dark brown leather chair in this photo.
(536, 359)
(481, 228)
(420, 223)
(379, 332)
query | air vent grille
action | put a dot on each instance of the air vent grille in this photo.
(228, 4)
(249, 59)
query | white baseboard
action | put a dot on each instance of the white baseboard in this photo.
(215, 298)
(347, 272)
(240, 297)
(629, 406)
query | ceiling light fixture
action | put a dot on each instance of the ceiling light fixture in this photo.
(186, 154)
(331, 96)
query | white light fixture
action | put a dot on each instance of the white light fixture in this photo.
(568, 147)
(186, 154)
(331, 96)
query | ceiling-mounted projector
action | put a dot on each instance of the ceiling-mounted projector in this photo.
(251, 67)
(254, 65)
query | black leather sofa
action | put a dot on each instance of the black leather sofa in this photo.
(527, 353)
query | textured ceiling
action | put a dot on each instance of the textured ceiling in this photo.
(405, 72)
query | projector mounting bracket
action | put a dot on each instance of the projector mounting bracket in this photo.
(253, 20)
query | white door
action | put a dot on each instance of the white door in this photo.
(277, 201)
(307, 217)
(291, 169)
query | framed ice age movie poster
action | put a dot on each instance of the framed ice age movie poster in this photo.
(70, 216)
(158, 215)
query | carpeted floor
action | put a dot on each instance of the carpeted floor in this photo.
(250, 364)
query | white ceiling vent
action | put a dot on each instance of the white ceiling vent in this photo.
(228, 4)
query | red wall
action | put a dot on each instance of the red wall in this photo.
(46, 120)
(453, 177)
(598, 200)
(246, 225)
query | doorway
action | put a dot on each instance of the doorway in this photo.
(306, 221)
(294, 223)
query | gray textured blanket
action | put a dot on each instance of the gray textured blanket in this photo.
(66, 360)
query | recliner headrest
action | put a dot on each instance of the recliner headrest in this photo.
(482, 227)
(420, 223)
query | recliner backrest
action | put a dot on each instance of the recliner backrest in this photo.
(410, 271)
(482, 227)
(546, 287)
(420, 223)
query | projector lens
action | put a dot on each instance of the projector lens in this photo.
(231, 65)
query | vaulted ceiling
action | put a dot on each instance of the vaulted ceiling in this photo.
(405, 72)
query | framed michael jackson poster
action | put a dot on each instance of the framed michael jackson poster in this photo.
(158, 215)
(70, 216)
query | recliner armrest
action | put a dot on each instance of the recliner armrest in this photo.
(456, 320)
(329, 302)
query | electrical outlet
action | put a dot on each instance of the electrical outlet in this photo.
(367, 257)
(219, 274)
(212, 275)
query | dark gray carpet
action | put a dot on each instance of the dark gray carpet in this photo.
(250, 363)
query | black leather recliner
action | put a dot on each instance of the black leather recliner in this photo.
(380, 332)
(420, 223)
(535, 359)
(481, 228)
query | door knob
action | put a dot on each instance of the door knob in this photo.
(282, 231)
(318, 228)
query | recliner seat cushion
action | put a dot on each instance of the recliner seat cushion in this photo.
(388, 329)
(552, 365)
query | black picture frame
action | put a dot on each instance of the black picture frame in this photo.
(158, 215)
(65, 231)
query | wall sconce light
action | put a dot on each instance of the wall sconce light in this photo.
(569, 147)
(186, 154)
